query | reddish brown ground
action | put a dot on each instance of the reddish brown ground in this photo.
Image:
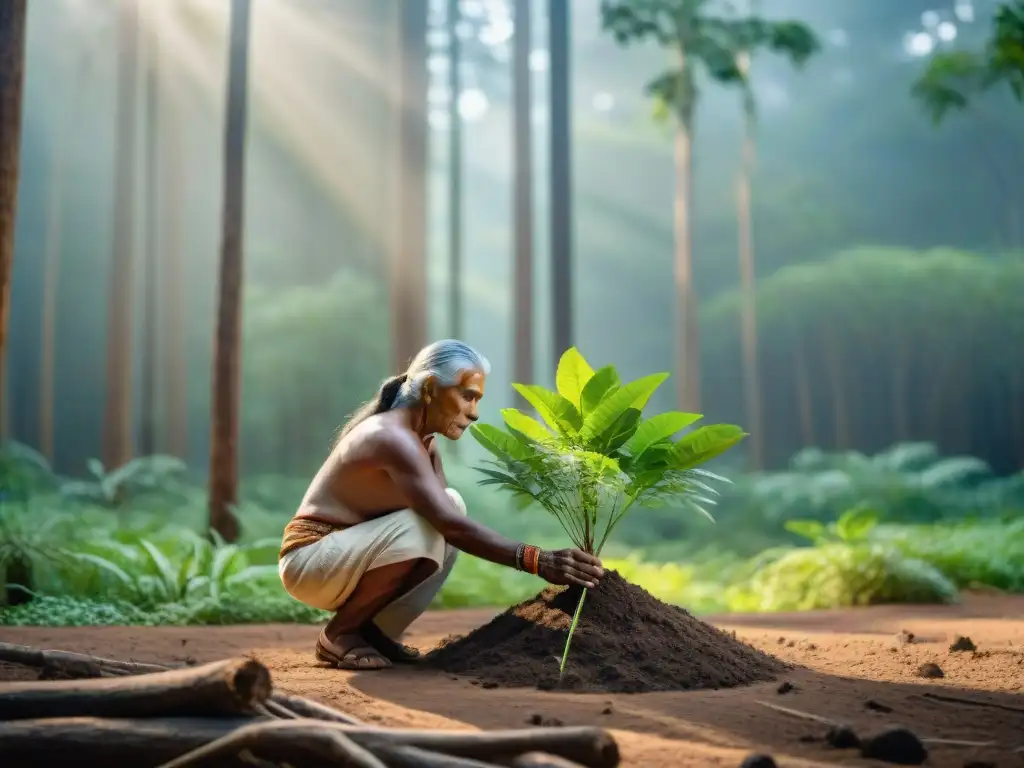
(846, 658)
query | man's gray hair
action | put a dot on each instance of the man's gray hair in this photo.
(446, 360)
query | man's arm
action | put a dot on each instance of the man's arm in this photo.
(410, 466)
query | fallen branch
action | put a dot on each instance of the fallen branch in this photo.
(75, 664)
(84, 666)
(230, 687)
(540, 760)
(973, 702)
(155, 741)
(283, 737)
(960, 743)
(796, 713)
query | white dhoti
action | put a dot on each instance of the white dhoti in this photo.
(324, 573)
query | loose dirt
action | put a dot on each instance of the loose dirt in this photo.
(625, 642)
(852, 667)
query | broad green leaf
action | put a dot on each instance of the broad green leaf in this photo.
(559, 413)
(621, 430)
(529, 426)
(706, 443)
(600, 385)
(572, 375)
(658, 428)
(632, 395)
(497, 442)
(855, 524)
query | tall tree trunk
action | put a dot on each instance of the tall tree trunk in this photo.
(688, 342)
(117, 439)
(751, 372)
(51, 279)
(560, 202)
(174, 330)
(837, 386)
(150, 353)
(12, 76)
(409, 264)
(454, 172)
(522, 135)
(227, 343)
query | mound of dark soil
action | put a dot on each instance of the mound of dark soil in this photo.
(626, 641)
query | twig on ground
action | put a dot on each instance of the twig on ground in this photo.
(973, 702)
(282, 736)
(796, 713)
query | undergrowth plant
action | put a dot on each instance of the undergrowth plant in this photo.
(595, 457)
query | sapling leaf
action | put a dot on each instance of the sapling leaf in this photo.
(572, 375)
(657, 428)
(632, 395)
(706, 443)
(602, 383)
(559, 413)
(497, 442)
(519, 422)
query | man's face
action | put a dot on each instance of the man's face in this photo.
(453, 409)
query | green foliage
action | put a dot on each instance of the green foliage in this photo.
(877, 345)
(594, 457)
(705, 44)
(952, 78)
(139, 481)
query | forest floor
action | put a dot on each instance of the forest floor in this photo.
(851, 666)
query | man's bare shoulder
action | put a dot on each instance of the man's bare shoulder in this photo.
(383, 438)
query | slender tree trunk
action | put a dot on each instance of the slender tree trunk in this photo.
(688, 342)
(150, 353)
(522, 133)
(51, 279)
(227, 343)
(751, 373)
(409, 264)
(174, 330)
(117, 442)
(560, 202)
(454, 171)
(12, 71)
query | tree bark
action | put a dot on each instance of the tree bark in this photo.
(455, 171)
(804, 392)
(227, 343)
(560, 202)
(144, 742)
(687, 332)
(751, 373)
(522, 213)
(51, 280)
(12, 73)
(117, 442)
(231, 687)
(150, 353)
(409, 265)
(174, 326)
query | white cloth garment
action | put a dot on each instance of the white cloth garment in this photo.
(323, 574)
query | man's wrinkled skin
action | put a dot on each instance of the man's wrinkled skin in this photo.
(390, 462)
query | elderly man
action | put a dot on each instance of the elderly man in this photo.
(378, 530)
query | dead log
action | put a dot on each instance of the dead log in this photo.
(314, 710)
(149, 742)
(230, 687)
(282, 737)
(78, 665)
(68, 665)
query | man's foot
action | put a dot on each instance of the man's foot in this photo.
(390, 649)
(349, 652)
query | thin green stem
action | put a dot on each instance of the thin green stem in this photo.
(572, 629)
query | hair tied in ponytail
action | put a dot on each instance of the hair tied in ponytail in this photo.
(389, 391)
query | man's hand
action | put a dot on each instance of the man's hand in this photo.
(570, 566)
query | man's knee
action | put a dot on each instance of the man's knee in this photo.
(456, 497)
